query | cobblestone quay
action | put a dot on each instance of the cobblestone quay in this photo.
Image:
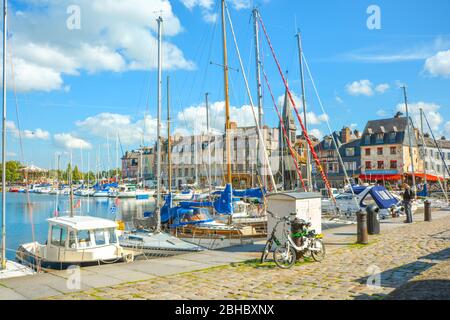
(411, 262)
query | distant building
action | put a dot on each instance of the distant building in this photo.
(348, 143)
(434, 164)
(385, 151)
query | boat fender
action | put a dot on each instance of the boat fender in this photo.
(128, 258)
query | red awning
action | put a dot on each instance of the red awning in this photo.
(429, 177)
(376, 177)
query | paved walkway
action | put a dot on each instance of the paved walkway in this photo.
(401, 254)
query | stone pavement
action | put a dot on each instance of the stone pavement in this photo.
(404, 262)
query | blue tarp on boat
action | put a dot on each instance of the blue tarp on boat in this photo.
(383, 198)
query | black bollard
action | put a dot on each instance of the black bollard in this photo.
(427, 205)
(373, 220)
(363, 237)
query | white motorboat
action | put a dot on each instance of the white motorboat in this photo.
(79, 241)
(101, 194)
(349, 203)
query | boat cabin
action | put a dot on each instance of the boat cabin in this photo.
(79, 240)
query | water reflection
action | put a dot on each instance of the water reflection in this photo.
(27, 214)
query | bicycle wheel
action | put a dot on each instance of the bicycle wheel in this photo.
(318, 255)
(266, 251)
(284, 257)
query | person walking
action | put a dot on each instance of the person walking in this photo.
(408, 196)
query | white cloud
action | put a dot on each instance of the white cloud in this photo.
(382, 113)
(430, 109)
(366, 88)
(207, 7)
(316, 133)
(37, 134)
(193, 119)
(382, 88)
(361, 87)
(339, 100)
(439, 64)
(68, 141)
(385, 54)
(115, 36)
(311, 117)
(130, 132)
(447, 128)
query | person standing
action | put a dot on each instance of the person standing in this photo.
(408, 196)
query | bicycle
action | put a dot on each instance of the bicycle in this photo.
(273, 238)
(286, 255)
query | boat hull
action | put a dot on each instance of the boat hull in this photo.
(29, 259)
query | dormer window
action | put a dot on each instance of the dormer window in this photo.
(392, 136)
(379, 137)
(367, 139)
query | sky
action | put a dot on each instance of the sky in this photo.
(82, 72)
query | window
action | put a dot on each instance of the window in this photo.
(58, 236)
(72, 240)
(112, 236)
(380, 151)
(350, 152)
(368, 152)
(393, 150)
(393, 164)
(368, 165)
(380, 165)
(427, 165)
(392, 136)
(100, 237)
(379, 137)
(84, 238)
(438, 168)
(367, 139)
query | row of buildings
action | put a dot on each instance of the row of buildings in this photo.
(381, 153)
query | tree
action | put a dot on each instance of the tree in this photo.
(76, 174)
(13, 173)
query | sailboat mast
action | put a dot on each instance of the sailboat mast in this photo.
(158, 133)
(117, 157)
(259, 92)
(70, 184)
(409, 138)
(169, 146)
(424, 145)
(209, 144)
(308, 152)
(3, 262)
(227, 97)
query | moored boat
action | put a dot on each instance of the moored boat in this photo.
(75, 241)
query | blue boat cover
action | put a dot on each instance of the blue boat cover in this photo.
(357, 189)
(424, 192)
(250, 193)
(383, 198)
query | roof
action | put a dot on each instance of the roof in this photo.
(295, 195)
(444, 144)
(387, 126)
(83, 222)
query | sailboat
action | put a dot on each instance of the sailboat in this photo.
(155, 242)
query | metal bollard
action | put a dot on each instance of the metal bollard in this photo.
(361, 219)
(427, 205)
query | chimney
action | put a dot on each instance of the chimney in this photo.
(346, 135)
(443, 138)
(357, 134)
(233, 125)
(398, 115)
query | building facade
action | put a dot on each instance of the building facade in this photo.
(385, 151)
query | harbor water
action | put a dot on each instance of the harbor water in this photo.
(27, 214)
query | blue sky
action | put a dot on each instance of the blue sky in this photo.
(80, 86)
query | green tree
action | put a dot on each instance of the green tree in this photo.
(76, 174)
(13, 173)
